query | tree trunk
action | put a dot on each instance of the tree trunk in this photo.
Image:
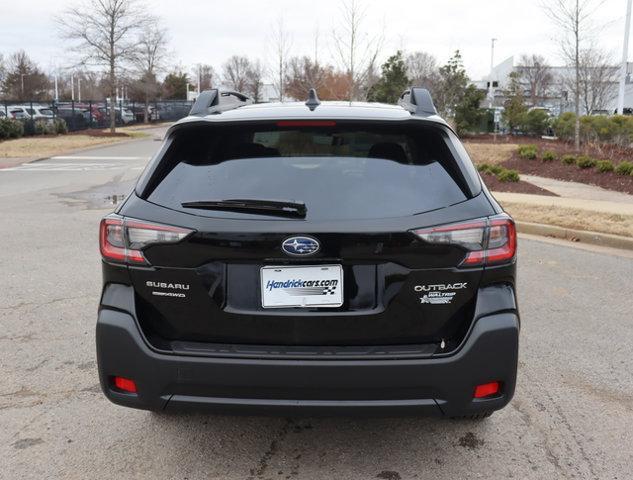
(146, 108)
(577, 89)
(112, 98)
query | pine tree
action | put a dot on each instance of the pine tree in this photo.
(393, 81)
(451, 86)
(514, 107)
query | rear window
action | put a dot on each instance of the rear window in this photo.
(338, 171)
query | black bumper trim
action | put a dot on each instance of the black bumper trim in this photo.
(430, 386)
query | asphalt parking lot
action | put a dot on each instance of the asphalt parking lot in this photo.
(572, 416)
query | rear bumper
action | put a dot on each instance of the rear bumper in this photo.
(430, 386)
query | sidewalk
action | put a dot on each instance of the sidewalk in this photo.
(577, 190)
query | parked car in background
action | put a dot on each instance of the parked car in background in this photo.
(121, 117)
(34, 112)
(173, 111)
(127, 116)
(139, 113)
(76, 118)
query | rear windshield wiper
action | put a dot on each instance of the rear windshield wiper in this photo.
(281, 208)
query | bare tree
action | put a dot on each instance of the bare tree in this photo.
(150, 59)
(3, 72)
(205, 74)
(236, 72)
(598, 77)
(304, 74)
(573, 17)
(86, 82)
(281, 42)
(106, 35)
(422, 69)
(537, 75)
(356, 49)
(255, 83)
(23, 80)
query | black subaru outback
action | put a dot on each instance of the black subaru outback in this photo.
(310, 258)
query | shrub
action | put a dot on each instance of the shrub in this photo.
(528, 151)
(564, 125)
(60, 126)
(548, 156)
(604, 166)
(535, 122)
(568, 159)
(624, 168)
(508, 176)
(29, 126)
(484, 167)
(10, 128)
(496, 169)
(44, 127)
(584, 161)
(616, 129)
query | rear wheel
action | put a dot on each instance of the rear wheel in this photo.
(475, 416)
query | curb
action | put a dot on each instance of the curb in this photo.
(593, 238)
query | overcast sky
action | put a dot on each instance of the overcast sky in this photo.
(209, 31)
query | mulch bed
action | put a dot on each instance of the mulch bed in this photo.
(558, 170)
(571, 173)
(495, 185)
(595, 150)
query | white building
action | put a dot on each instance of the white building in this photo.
(559, 97)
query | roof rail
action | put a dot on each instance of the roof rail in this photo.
(418, 101)
(216, 101)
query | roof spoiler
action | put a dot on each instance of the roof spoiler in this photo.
(418, 101)
(216, 101)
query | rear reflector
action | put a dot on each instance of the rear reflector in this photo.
(487, 390)
(488, 241)
(306, 123)
(125, 384)
(123, 239)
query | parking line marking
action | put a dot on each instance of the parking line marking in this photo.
(63, 167)
(87, 157)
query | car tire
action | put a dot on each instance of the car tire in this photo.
(475, 416)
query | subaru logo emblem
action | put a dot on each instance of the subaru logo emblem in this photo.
(300, 246)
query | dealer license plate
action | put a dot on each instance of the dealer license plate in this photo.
(302, 286)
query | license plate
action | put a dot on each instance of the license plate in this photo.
(301, 286)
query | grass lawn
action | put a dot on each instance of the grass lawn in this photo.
(490, 152)
(46, 146)
(572, 218)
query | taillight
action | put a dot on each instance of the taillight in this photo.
(123, 239)
(487, 241)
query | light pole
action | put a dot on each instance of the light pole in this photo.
(491, 95)
(198, 79)
(22, 75)
(625, 51)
